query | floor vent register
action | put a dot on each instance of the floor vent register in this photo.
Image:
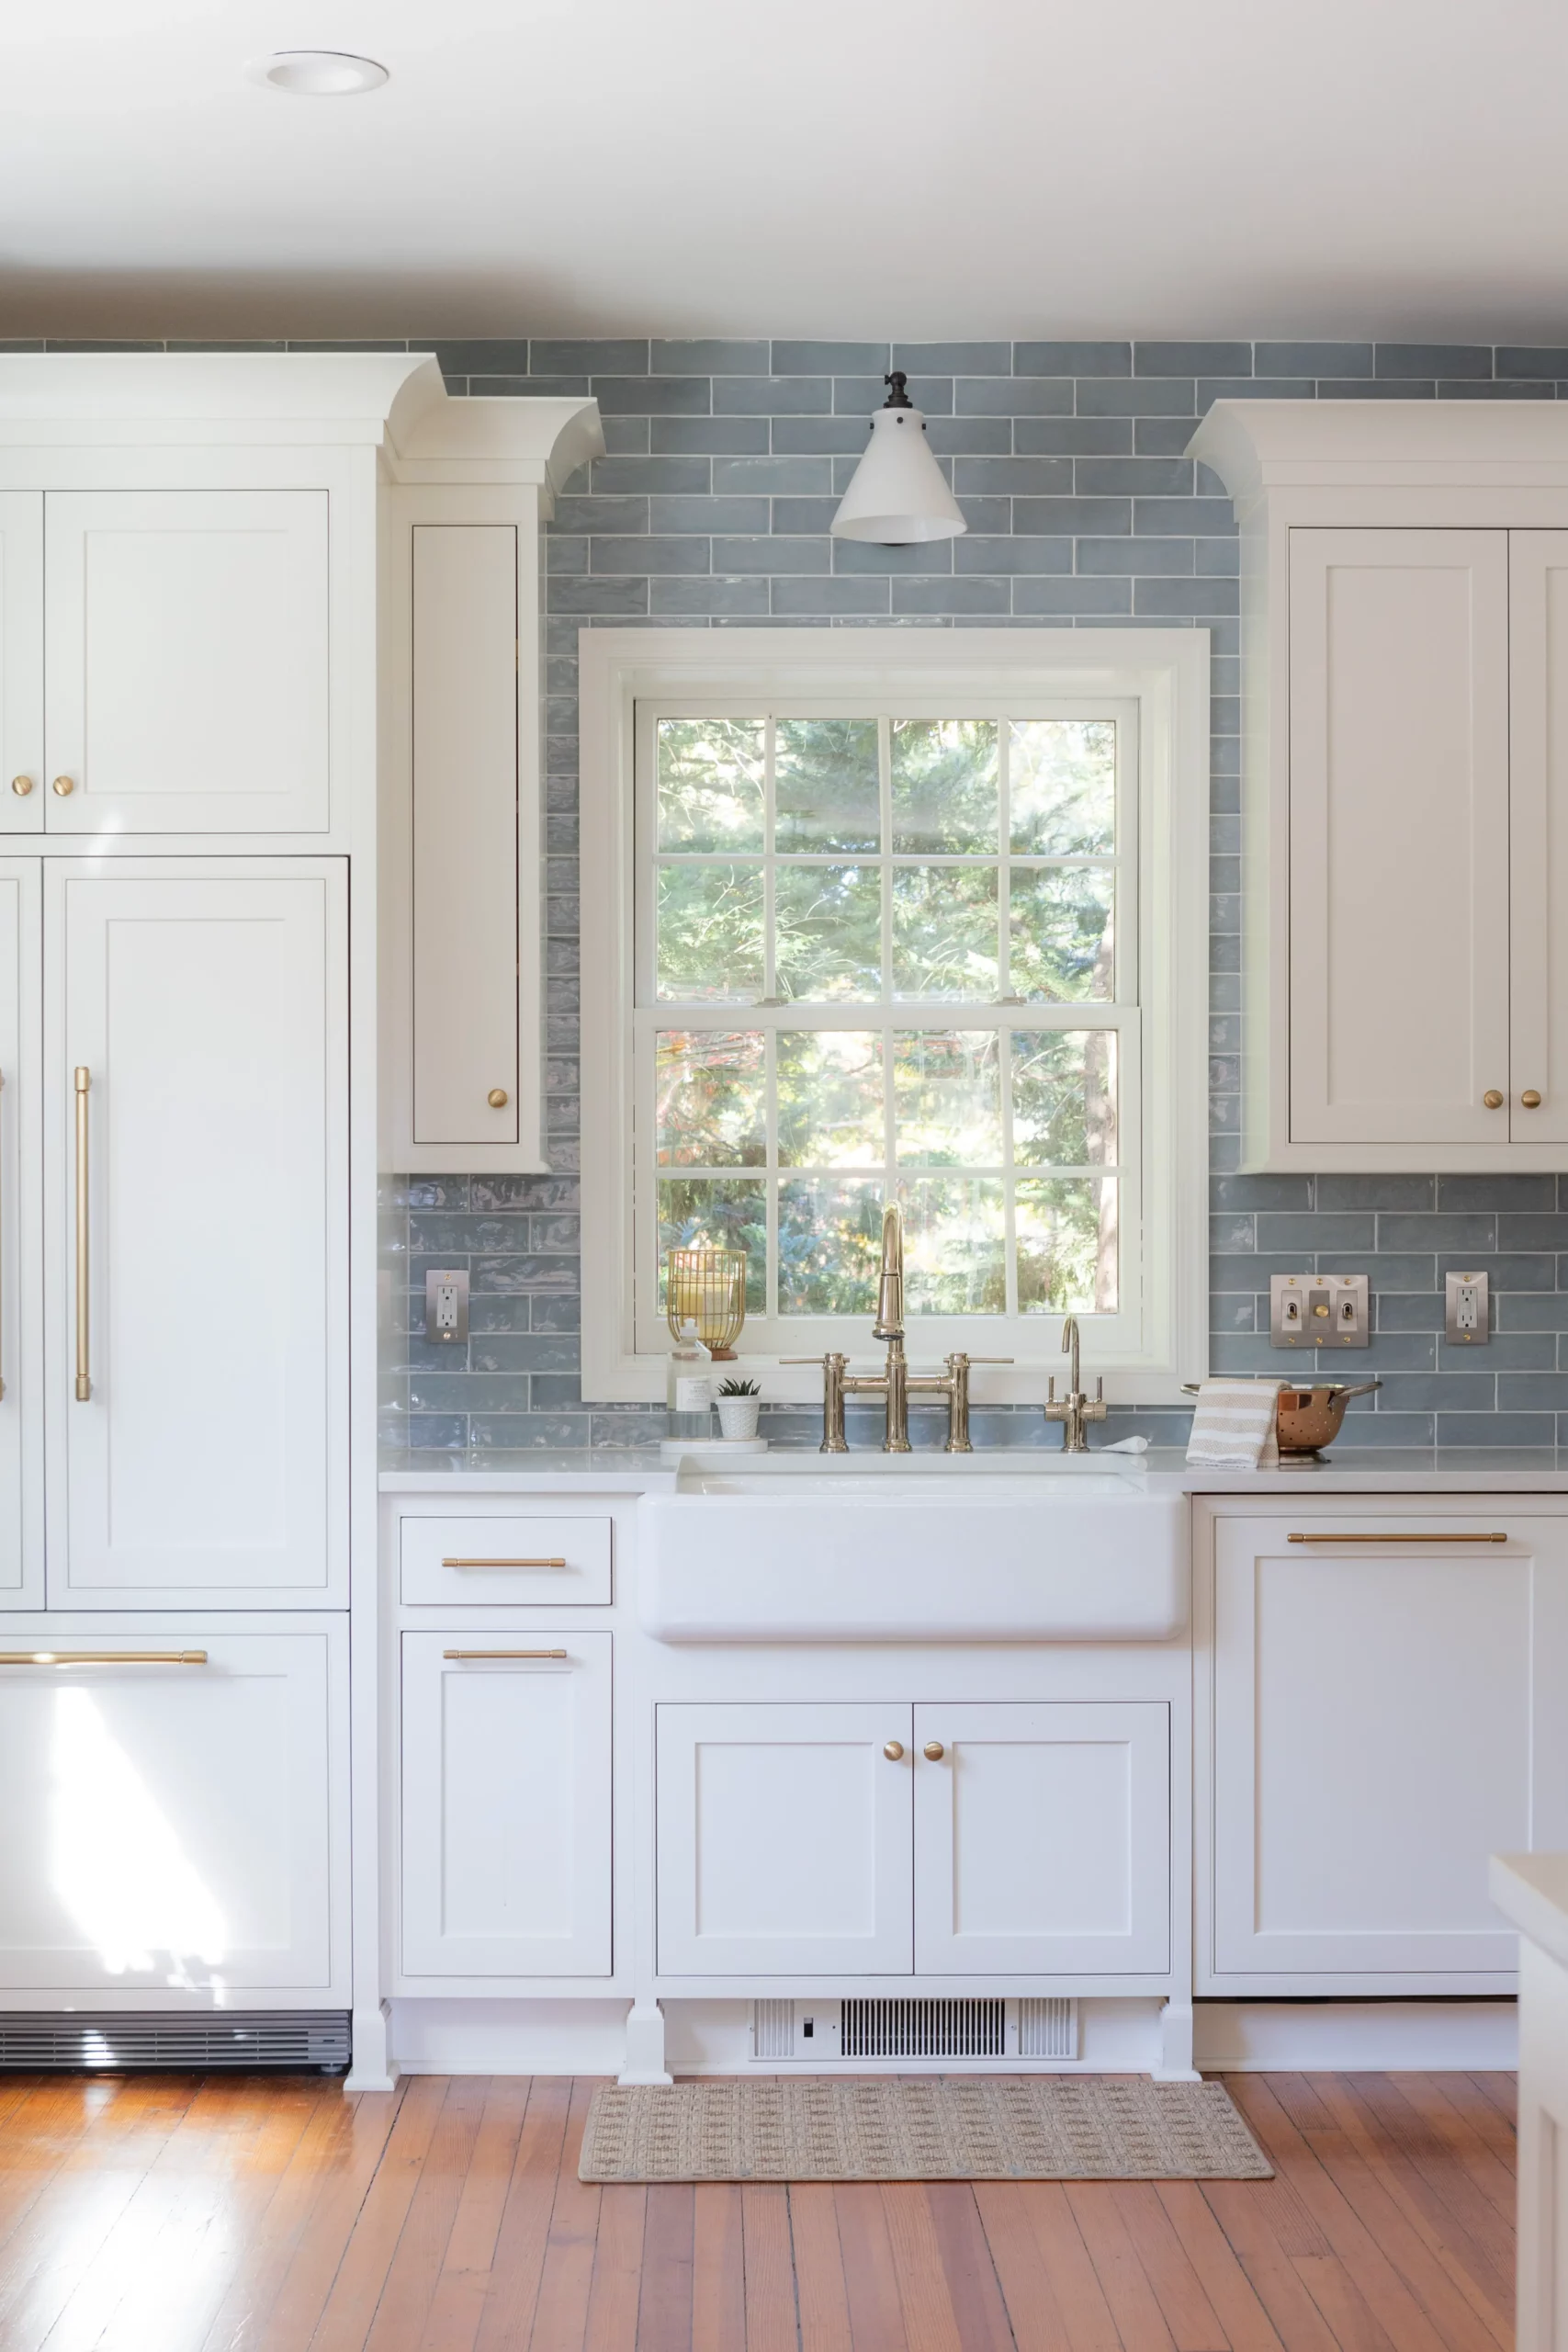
(827, 2033)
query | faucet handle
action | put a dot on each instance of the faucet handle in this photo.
(993, 1358)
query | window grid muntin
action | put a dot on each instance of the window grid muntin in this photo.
(891, 1014)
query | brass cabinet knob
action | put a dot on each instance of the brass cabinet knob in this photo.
(1530, 1099)
(65, 785)
(21, 785)
(894, 1750)
(496, 1098)
(934, 1751)
(1492, 1099)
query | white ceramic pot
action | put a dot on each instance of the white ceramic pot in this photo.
(737, 1415)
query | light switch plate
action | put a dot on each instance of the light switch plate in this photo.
(1319, 1311)
(447, 1305)
(1467, 1310)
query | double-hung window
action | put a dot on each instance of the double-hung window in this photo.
(859, 932)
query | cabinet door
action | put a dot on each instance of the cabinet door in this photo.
(506, 1804)
(783, 1840)
(466, 1016)
(172, 1828)
(186, 657)
(1537, 660)
(1388, 1712)
(1398, 835)
(21, 1248)
(1042, 1839)
(198, 1436)
(22, 796)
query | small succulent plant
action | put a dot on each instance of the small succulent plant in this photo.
(739, 1388)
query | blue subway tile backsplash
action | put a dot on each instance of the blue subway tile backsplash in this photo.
(725, 461)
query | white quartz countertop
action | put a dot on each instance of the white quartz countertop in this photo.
(1532, 1890)
(1480, 1470)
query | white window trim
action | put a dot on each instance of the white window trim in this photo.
(1166, 671)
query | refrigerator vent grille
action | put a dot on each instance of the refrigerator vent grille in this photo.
(45, 2041)
(924, 2028)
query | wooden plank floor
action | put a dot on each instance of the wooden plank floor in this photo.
(232, 2214)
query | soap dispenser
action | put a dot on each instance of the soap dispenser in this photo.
(688, 1390)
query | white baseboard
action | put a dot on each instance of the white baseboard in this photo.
(507, 2036)
(1356, 2037)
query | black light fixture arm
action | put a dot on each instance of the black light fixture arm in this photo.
(898, 397)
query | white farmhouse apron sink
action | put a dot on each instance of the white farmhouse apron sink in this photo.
(874, 1555)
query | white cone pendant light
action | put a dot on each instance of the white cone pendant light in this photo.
(897, 496)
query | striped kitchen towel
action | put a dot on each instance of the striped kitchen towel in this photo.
(1234, 1427)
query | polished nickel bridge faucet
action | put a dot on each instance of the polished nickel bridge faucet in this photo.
(895, 1382)
(1075, 1407)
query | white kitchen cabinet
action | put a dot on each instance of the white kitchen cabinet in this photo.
(185, 661)
(173, 1827)
(1399, 835)
(523, 1560)
(468, 1012)
(1387, 1713)
(507, 1803)
(196, 1169)
(462, 747)
(21, 1251)
(22, 796)
(1042, 1839)
(783, 1839)
(1405, 882)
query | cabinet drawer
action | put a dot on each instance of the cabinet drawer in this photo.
(563, 1562)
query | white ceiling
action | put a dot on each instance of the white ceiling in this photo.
(861, 168)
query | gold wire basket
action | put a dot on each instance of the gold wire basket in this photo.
(708, 1287)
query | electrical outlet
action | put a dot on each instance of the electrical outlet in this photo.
(446, 1307)
(1319, 1311)
(1467, 1318)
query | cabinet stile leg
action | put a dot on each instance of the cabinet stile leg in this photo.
(644, 2045)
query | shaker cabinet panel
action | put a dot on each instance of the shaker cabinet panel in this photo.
(195, 1187)
(1398, 846)
(1387, 1714)
(185, 661)
(22, 796)
(1538, 657)
(506, 1781)
(21, 1250)
(176, 1822)
(1041, 1838)
(466, 1010)
(784, 1840)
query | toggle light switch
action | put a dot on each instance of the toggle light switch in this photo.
(1319, 1311)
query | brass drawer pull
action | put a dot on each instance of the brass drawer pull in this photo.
(1399, 1535)
(21, 785)
(933, 1751)
(894, 1750)
(103, 1657)
(1492, 1099)
(503, 1564)
(65, 785)
(461, 1654)
(1530, 1099)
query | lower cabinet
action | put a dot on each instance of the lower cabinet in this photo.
(1042, 1839)
(1388, 1712)
(878, 1839)
(175, 1815)
(506, 1813)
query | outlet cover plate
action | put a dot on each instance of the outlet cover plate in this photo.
(447, 1305)
(1467, 1310)
(1319, 1311)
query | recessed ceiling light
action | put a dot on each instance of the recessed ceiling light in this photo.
(318, 74)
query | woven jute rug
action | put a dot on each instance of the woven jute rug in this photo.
(1016, 2127)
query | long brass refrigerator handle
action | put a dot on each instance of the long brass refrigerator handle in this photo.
(103, 1657)
(2, 1245)
(83, 1328)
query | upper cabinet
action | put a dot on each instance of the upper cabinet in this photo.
(1406, 781)
(462, 780)
(185, 661)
